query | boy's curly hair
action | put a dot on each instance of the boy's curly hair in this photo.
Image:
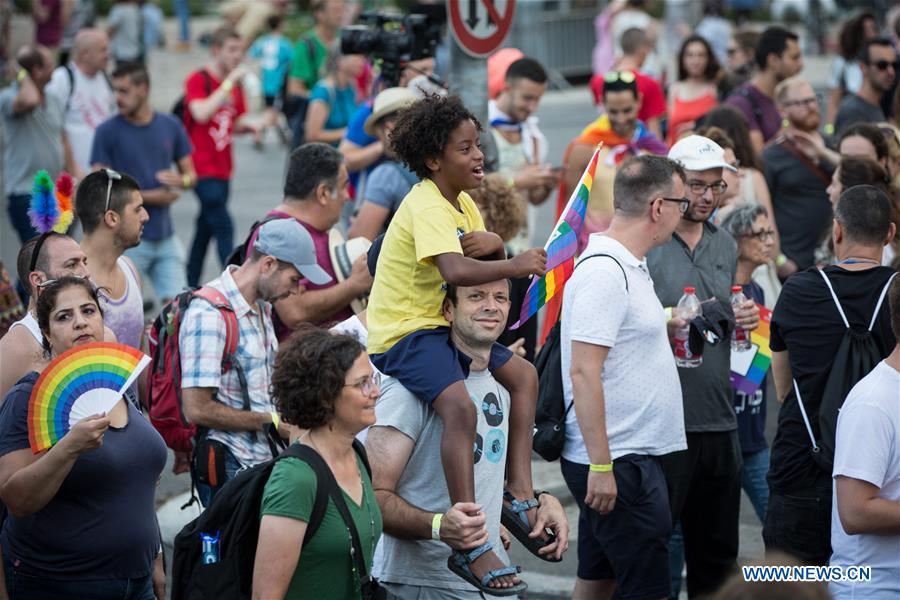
(309, 375)
(500, 205)
(423, 130)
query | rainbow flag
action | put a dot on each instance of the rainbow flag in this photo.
(561, 247)
(748, 368)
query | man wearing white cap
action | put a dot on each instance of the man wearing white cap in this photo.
(704, 481)
(390, 181)
(217, 401)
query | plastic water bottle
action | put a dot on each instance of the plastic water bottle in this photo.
(688, 308)
(210, 548)
(740, 337)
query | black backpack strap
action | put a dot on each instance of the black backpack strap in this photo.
(71, 76)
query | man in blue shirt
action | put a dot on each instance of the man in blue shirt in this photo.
(162, 141)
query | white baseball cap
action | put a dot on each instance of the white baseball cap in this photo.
(697, 153)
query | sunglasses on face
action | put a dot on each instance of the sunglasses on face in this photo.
(623, 76)
(882, 65)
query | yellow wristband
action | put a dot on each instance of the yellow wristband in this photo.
(668, 311)
(22, 74)
(601, 468)
(227, 85)
(436, 526)
(186, 181)
(780, 260)
(828, 129)
(276, 420)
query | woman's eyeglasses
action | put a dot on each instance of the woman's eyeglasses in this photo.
(110, 176)
(367, 384)
(762, 235)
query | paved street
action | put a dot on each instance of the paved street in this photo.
(257, 186)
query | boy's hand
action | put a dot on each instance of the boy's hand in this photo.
(479, 244)
(530, 262)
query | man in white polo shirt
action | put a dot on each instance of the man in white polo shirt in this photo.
(614, 334)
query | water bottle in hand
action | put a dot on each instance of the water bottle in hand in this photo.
(740, 337)
(688, 308)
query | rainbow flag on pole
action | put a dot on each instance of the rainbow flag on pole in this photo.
(748, 368)
(561, 247)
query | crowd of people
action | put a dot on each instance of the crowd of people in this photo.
(372, 303)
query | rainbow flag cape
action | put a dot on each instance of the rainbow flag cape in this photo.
(748, 368)
(561, 247)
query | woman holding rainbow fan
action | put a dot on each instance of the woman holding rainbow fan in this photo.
(81, 521)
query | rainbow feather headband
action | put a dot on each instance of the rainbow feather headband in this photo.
(51, 206)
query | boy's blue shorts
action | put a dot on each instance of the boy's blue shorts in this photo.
(426, 362)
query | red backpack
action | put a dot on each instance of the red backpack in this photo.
(164, 378)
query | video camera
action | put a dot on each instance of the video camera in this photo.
(392, 39)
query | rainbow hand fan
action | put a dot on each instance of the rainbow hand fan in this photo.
(83, 381)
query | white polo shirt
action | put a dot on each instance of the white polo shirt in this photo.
(644, 413)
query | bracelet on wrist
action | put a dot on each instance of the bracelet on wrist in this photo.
(186, 181)
(227, 85)
(436, 526)
(21, 75)
(607, 468)
(781, 260)
(276, 419)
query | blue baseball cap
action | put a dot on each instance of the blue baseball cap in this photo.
(290, 242)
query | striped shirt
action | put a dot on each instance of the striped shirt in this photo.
(201, 342)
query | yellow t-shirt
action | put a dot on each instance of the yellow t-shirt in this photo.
(408, 289)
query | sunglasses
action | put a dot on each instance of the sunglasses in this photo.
(110, 176)
(683, 203)
(52, 282)
(623, 76)
(882, 65)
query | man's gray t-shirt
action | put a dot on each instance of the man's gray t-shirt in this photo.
(32, 140)
(125, 42)
(710, 269)
(854, 110)
(422, 484)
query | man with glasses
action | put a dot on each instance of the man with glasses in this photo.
(798, 169)
(878, 61)
(704, 481)
(614, 333)
(111, 209)
(235, 407)
(42, 259)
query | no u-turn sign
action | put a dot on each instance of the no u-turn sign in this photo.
(480, 26)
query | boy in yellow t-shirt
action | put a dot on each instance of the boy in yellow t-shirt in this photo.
(436, 238)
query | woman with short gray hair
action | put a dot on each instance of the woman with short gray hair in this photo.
(748, 223)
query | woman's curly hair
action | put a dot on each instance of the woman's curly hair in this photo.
(423, 129)
(309, 375)
(500, 205)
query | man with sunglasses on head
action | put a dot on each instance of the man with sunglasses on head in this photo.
(111, 210)
(42, 260)
(878, 61)
(704, 482)
(798, 168)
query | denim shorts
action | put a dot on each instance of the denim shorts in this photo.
(426, 362)
(162, 261)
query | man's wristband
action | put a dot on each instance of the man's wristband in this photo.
(601, 468)
(186, 181)
(21, 75)
(436, 526)
(227, 85)
(276, 420)
(781, 260)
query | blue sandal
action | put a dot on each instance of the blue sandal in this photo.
(459, 563)
(515, 520)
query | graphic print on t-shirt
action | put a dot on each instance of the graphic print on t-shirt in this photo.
(492, 445)
(493, 412)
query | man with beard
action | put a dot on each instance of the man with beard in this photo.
(878, 63)
(111, 210)
(163, 142)
(704, 481)
(778, 57)
(282, 254)
(798, 169)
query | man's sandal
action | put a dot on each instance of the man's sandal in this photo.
(459, 563)
(515, 520)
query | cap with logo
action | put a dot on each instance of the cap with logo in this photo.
(698, 153)
(290, 242)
